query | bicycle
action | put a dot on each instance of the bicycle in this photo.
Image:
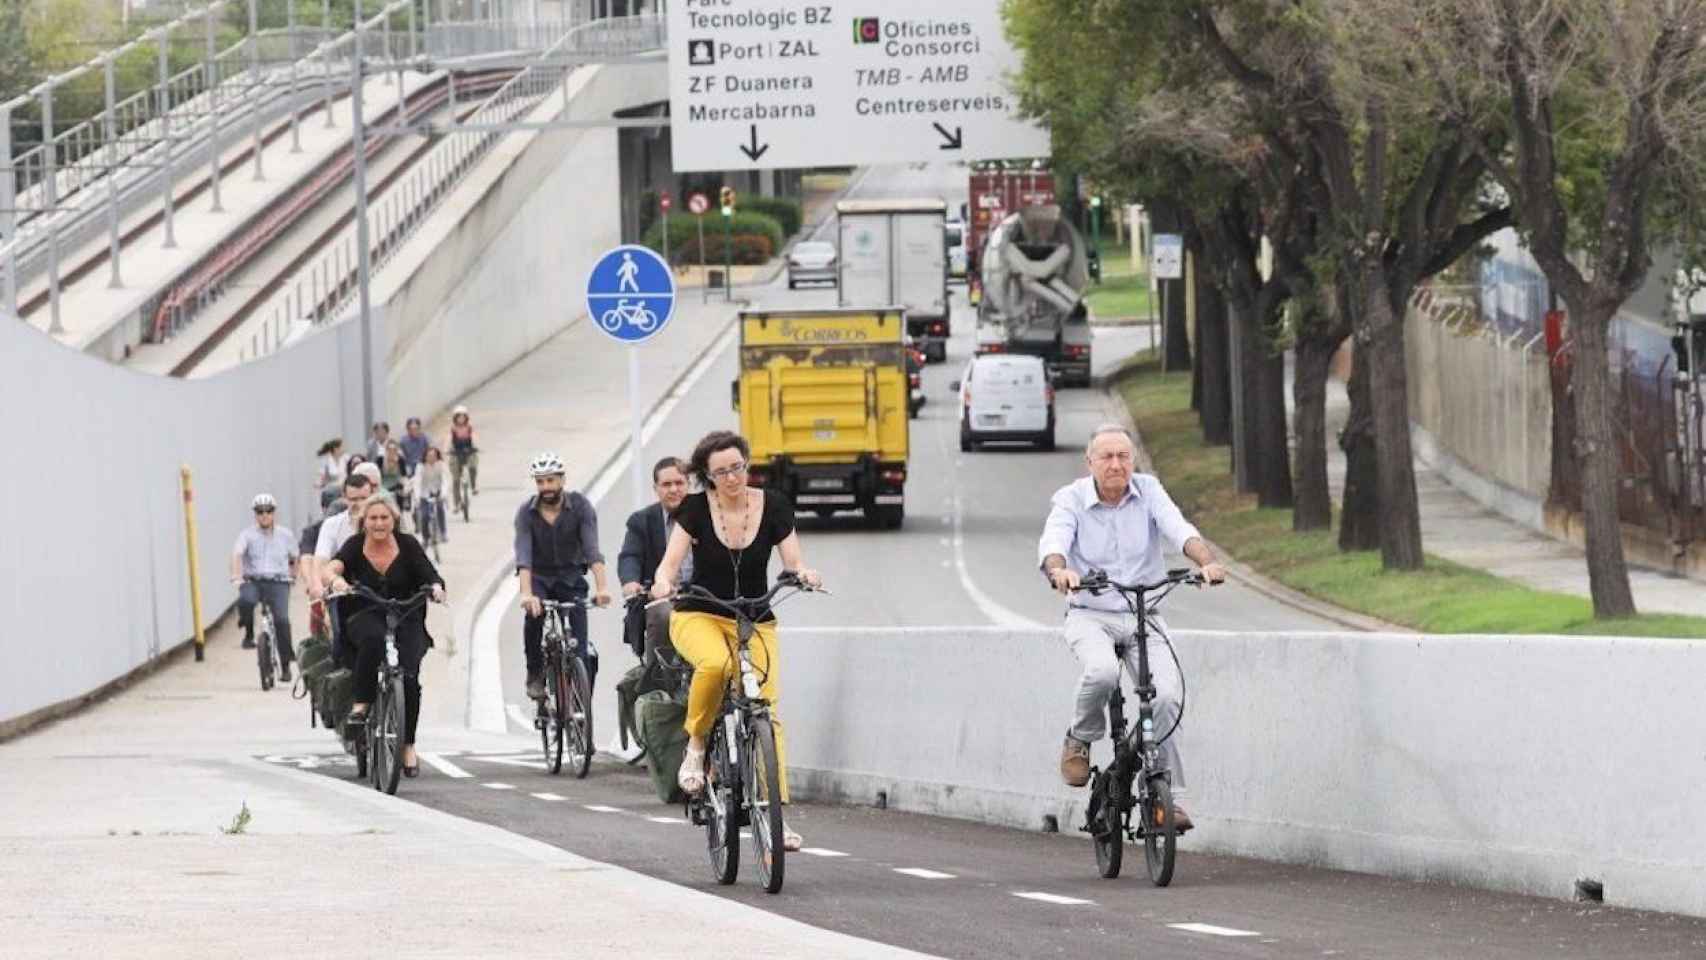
(565, 714)
(379, 742)
(427, 524)
(464, 481)
(266, 634)
(744, 786)
(664, 670)
(1137, 755)
(644, 320)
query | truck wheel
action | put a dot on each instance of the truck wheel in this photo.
(1045, 441)
(885, 517)
(936, 351)
(966, 443)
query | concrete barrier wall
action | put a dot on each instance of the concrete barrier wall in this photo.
(93, 568)
(1515, 763)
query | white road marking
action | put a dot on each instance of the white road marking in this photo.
(821, 852)
(437, 762)
(1212, 930)
(530, 763)
(746, 834)
(666, 820)
(924, 874)
(1053, 898)
(1000, 615)
(498, 786)
(548, 796)
(485, 682)
(600, 808)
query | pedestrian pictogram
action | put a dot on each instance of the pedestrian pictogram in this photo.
(630, 293)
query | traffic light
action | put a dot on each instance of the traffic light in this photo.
(727, 199)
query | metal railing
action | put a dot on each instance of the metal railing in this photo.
(322, 290)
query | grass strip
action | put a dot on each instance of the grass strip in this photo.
(1441, 598)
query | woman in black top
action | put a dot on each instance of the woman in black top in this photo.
(730, 530)
(393, 565)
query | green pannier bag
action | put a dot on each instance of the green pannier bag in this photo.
(335, 696)
(313, 660)
(659, 719)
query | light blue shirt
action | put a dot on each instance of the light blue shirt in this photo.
(266, 555)
(1124, 540)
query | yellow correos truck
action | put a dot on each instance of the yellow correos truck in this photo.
(823, 399)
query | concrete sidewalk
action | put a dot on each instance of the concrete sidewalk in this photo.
(1458, 528)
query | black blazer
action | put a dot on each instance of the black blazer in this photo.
(643, 545)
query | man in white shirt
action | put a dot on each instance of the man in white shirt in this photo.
(1115, 520)
(335, 530)
(263, 566)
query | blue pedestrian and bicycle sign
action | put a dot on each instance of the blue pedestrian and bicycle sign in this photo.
(630, 293)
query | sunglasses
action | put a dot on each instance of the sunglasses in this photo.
(264, 510)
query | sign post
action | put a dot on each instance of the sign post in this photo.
(1167, 262)
(663, 205)
(728, 198)
(630, 297)
(697, 204)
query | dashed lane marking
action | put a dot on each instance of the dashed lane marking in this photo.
(601, 808)
(548, 796)
(821, 852)
(437, 762)
(1212, 930)
(498, 786)
(666, 820)
(530, 762)
(924, 874)
(1054, 898)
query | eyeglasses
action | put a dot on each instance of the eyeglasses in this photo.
(732, 470)
(263, 509)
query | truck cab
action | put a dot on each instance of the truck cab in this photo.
(824, 399)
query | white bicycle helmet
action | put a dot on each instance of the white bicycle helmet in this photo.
(459, 411)
(263, 501)
(546, 464)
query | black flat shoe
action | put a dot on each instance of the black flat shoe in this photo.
(412, 772)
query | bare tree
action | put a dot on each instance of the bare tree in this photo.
(1620, 83)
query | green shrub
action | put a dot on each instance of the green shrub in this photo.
(783, 210)
(747, 228)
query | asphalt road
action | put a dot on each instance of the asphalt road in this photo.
(967, 556)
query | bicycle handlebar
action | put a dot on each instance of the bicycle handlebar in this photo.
(404, 606)
(750, 607)
(1097, 582)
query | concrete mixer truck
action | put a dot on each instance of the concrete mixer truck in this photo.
(1034, 270)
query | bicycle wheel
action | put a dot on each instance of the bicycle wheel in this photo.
(1160, 842)
(552, 712)
(764, 799)
(722, 809)
(579, 718)
(264, 657)
(1106, 826)
(391, 734)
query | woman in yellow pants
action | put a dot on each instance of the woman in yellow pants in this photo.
(730, 529)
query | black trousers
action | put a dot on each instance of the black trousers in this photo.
(365, 632)
(533, 628)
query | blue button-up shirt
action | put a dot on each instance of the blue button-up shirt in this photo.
(1125, 540)
(267, 555)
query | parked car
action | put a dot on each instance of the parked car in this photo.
(811, 261)
(1006, 397)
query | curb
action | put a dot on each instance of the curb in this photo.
(1264, 585)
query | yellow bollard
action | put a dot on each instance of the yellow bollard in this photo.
(195, 575)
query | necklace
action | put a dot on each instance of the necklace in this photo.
(735, 555)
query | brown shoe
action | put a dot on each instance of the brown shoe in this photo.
(1181, 820)
(1075, 762)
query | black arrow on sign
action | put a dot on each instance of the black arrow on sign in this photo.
(953, 141)
(755, 151)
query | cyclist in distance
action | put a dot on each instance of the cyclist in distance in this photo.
(392, 564)
(414, 443)
(464, 452)
(429, 486)
(556, 543)
(729, 530)
(1115, 520)
(263, 566)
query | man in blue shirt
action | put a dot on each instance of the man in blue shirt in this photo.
(263, 566)
(1115, 520)
(556, 543)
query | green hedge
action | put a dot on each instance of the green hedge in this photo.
(756, 238)
(783, 210)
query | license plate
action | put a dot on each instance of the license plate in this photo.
(991, 420)
(823, 484)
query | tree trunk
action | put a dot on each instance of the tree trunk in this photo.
(1214, 361)
(1270, 448)
(1400, 511)
(1359, 515)
(1309, 398)
(1177, 341)
(1597, 456)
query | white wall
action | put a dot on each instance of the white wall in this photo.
(1518, 763)
(93, 572)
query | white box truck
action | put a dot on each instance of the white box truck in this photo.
(894, 254)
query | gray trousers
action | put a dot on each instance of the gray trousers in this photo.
(276, 595)
(1091, 635)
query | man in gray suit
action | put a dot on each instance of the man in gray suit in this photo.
(642, 550)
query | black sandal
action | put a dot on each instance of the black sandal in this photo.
(412, 771)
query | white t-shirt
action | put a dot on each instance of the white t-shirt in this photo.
(333, 533)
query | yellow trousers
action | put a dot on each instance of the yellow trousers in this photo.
(708, 642)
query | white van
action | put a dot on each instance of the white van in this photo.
(1006, 397)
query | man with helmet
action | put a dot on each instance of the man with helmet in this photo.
(263, 566)
(556, 543)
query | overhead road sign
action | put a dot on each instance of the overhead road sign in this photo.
(630, 294)
(759, 84)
